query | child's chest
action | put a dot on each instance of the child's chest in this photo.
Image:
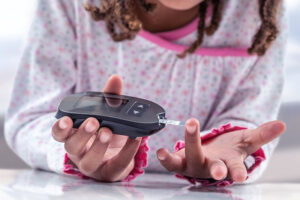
(184, 87)
(197, 86)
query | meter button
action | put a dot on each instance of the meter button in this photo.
(136, 113)
(141, 106)
(138, 109)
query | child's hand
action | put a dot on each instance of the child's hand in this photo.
(98, 153)
(222, 156)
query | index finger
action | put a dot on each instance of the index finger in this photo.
(114, 85)
(193, 147)
(264, 134)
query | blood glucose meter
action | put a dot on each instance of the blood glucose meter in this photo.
(124, 115)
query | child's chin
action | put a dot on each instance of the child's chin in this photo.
(180, 4)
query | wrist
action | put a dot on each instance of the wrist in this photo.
(70, 168)
(127, 171)
(140, 161)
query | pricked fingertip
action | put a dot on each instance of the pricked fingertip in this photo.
(191, 129)
(192, 122)
(191, 126)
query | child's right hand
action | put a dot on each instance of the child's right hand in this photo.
(98, 153)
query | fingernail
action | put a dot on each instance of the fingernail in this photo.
(218, 172)
(63, 124)
(191, 129)
(240, 177)
(161, 157)
(90, 127)
(104, 137)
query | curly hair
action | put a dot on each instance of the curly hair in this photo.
(120, 13)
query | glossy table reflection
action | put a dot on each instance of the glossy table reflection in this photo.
(31, 184)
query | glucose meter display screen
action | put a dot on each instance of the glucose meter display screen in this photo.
(94, 103)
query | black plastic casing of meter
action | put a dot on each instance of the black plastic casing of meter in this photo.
(124, 115)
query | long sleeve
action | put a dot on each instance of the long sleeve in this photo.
(49, 71)
(46, 74)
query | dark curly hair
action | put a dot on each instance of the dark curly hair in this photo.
(121, 14)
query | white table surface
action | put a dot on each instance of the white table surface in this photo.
(30, 184)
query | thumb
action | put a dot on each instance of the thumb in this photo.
(264, 134)
(114, 85)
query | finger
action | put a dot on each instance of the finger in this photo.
(237, 169)
(193, 147)
(218, 169)
(115, 168)
(263, 135)
(93, 158)
(114, 103)
(114, 85)
(172, 162)
(75, 144)
(62, 128)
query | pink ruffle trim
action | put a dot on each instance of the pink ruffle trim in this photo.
(140, 163)
(258, 156)
(69, 169)
(140, 160)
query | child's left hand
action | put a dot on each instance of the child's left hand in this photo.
(220, 157)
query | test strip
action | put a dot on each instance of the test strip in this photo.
(171, 122)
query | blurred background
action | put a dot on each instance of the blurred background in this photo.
(15, 20)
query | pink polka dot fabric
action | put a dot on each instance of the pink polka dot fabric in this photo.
(67, 52)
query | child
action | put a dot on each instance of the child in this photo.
(216, 61)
